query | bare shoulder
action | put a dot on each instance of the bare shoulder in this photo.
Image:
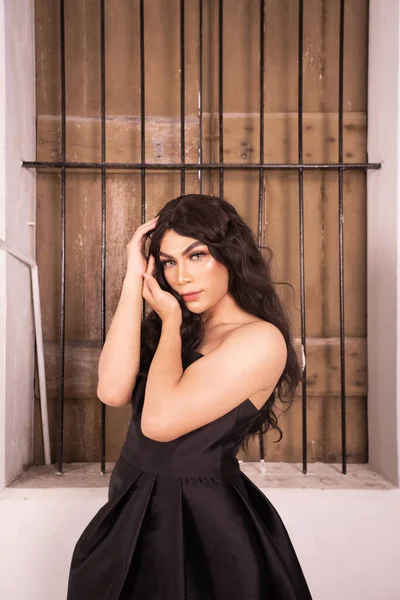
(257, 345)
(260, 335)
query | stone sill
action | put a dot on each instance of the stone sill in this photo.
(43, 481)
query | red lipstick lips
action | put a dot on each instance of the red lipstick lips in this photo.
(191, 296)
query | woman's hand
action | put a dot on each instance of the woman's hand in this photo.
(164, 303)
(137, 261)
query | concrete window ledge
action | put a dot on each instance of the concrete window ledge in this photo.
(86, 479)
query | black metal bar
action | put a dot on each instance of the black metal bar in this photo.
(63, 238)
(301, 231)
(103, 222)
(195, 166)
(220, 95)
(262, 72)
(200, 93)
(261, 171)
(142, 128)
(142, 117)
(182, 36)
(341, 240)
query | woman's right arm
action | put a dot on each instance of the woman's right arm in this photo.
(120, 356)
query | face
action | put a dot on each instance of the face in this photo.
(189, 267)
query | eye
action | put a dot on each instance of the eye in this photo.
(197, 254)
(165, 262)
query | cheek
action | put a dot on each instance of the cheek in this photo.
(216, 274)
(168, 275)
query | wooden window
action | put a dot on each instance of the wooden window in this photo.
(131, 97)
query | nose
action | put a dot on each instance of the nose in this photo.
(184, 275)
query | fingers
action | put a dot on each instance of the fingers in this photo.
(149, 287)
(150, 223)
(151, 264)
(148, 274)
(146, 291)
(149, 279)
(144, 228)
(139, 237)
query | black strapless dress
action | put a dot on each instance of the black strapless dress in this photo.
(182, 522)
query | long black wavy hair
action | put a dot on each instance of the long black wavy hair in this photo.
(216, 223)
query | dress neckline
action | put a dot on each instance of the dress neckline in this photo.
(197, 352)
(253, 406)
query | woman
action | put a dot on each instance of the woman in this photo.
(182, 521)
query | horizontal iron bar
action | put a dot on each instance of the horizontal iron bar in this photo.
(194, 166)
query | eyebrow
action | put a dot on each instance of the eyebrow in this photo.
(188, 249)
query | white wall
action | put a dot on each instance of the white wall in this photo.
(3, 257)
(383, 240)
(347, 540)
(17, 211)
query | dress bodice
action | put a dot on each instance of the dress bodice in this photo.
(209, 450)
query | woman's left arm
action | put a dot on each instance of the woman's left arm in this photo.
(251, 358)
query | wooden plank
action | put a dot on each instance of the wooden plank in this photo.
(323, 367)
(241, 56)
(320, 55)
(241, 138)
(323, 433)
(82, 430)
(321, 249)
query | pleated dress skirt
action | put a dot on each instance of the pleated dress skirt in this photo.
(183, 522)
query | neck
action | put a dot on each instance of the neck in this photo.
(225, 312)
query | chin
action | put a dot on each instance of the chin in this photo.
(195, 307)
(197, 310)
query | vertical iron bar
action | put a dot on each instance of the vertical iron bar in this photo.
(142, 118)
(182, 37)
(142, 127)
(261, 171)
(63, 224)
(301, 226)
(103, 221)
(341, 239)
(220, 96)
(201, 94)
